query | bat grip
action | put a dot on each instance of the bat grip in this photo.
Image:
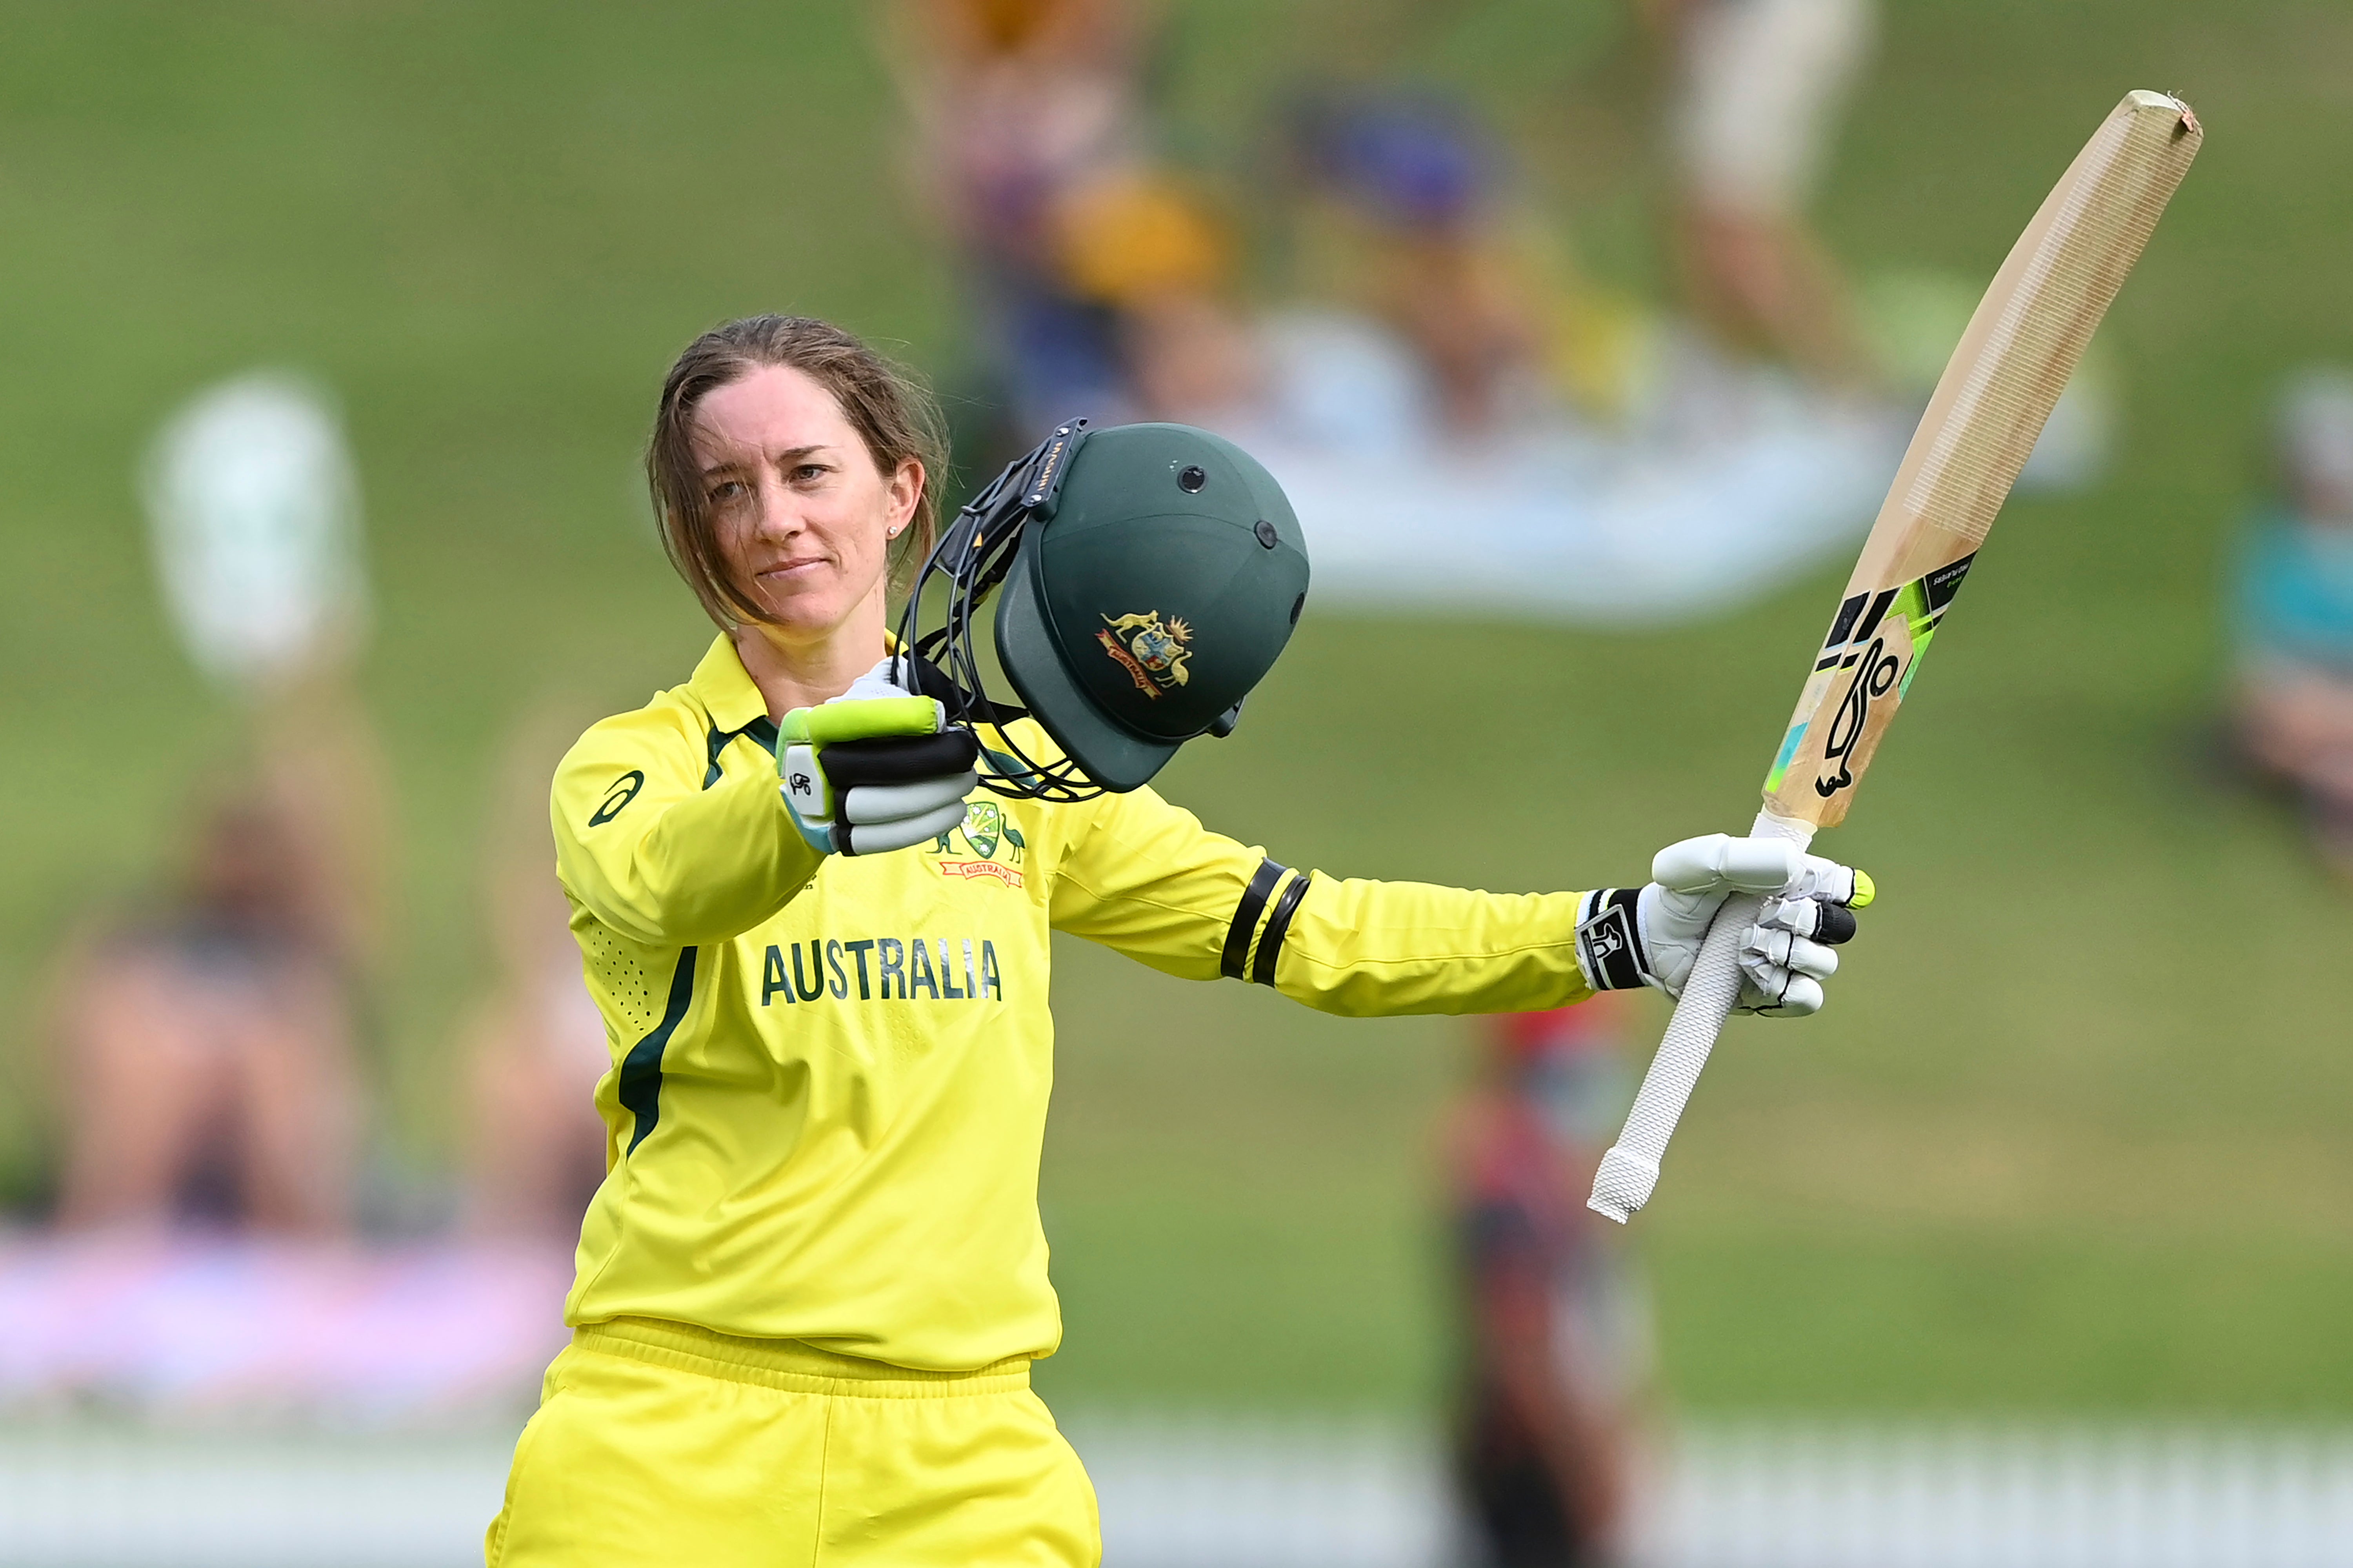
(1631, 1168)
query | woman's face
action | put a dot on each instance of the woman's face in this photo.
(803, 518)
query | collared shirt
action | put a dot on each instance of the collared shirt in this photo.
(830, 1074)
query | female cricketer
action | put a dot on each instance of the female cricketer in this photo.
(812, 889)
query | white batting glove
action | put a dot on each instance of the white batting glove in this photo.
(1650, 935)
(875, 769)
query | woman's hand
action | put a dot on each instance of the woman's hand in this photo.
(1652, 935)
(874, 769)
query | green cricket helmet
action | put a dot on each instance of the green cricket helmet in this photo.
(1151, 575)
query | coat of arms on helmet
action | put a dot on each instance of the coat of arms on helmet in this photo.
(1151, 651)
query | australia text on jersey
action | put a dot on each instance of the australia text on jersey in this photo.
(883, 968)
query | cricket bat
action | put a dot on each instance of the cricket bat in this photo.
(1989, 406)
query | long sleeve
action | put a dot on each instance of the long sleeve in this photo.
(648, 842)
(1146, 878)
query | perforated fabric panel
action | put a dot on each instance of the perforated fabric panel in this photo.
(620, 981)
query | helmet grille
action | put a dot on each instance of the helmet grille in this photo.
(971, 560)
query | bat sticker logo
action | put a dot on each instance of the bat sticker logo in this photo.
(1874, 676)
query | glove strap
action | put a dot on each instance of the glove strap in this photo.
(1609, 941)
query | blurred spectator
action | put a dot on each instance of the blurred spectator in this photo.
(1406, 215)
(2296, 614)
(206, 1043)
(1557, 1347)
(1153, 253)
(1014, 103)
(205, 1047)
(1758, 83)
(1403, 190)
(1101, 280)
(535, 1045)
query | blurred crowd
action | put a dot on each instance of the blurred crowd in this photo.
(1103, 273)
(208, 1038)
(229, 1230)
(211, 1035)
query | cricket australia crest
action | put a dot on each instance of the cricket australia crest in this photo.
(985, 831)
(1151, 651)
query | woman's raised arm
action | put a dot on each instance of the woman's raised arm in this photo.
(657, 855)
(1145, 877)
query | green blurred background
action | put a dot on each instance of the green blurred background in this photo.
(2072, 1136)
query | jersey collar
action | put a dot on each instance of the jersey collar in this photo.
(726, 690)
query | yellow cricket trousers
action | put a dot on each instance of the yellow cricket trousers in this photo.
(657, 1443)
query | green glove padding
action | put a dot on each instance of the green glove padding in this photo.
(864, 775)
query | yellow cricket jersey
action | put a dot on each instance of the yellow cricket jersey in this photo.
(830, 1075)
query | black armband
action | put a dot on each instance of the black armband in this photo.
(1237, 961)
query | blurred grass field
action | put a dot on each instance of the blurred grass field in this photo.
(2074, 1133)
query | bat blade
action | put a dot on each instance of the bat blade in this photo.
(1989, 406)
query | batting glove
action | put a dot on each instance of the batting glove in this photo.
(874, 769)
(1650, 935)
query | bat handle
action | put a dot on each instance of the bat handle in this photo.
(1631, 1168)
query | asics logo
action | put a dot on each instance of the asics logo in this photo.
(625, 790)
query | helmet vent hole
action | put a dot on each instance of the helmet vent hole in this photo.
(1191, 477)
(1266, 533)
(1296, 605)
